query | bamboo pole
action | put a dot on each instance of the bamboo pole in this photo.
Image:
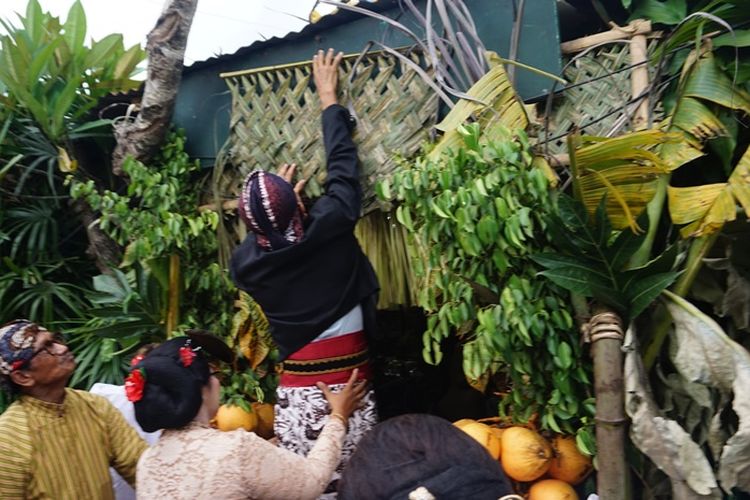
(639, 79)
(605, 332)
(308, 62)
(636, 27)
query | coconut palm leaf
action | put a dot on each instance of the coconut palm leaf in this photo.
(624, 168)
(496, 104)
(707, 208)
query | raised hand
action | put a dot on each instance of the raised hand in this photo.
(325, 74)
(286, 172)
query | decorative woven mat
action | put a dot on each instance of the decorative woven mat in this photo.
(276, 119)
(602, 101)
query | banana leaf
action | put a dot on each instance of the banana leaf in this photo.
(662, 439)
(704, 354)
(707, 208)
(707, 81)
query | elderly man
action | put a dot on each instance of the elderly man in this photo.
(56, 442)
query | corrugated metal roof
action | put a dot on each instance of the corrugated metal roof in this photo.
(325, 23)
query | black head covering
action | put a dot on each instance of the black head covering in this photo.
(172, 391)
(406, 452)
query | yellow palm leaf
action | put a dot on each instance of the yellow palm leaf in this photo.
(624, 168)
(695, 118)
(707, 208)
(498, 106)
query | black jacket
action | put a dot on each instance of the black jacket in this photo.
(305, 287)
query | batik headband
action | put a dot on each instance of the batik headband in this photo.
(17, 344)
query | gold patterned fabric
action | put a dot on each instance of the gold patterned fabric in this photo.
(64, 451)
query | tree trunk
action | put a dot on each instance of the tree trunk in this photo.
(105, 252)
(606, 336)
(142, 137)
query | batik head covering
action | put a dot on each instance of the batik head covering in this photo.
(17, 344)
(268, 207)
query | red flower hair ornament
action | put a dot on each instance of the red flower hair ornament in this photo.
(187, 355)
(134, 384)
(136, 359)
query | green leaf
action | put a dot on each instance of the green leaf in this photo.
(75, 29)
(103, 49)
(564, 357)
(575, 280)
(643, 292)
(127, 63)
(740, 38)
(669, 12)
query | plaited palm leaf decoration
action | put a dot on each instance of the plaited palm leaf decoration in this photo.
(276, 119)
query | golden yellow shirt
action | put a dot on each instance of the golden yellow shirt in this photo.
(64, 451)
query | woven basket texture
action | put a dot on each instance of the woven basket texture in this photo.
(602, 101)
(275, 119)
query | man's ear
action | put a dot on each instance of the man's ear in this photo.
(22, 378)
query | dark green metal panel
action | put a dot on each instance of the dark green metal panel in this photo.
(203, 102)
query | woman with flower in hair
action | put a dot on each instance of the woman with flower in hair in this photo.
(308, 273)
(172, 388)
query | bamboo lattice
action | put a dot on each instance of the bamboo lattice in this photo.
(276, 119)
(602, 98)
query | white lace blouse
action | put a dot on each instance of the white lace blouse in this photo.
(198, 462)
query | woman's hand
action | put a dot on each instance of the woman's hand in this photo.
(344, 402)
(286, 172)
(325, 74)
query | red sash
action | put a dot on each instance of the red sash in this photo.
(330, 361)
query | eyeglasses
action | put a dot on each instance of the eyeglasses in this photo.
(56, 339)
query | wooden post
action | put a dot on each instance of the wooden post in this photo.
(173, 294)
(605, 333)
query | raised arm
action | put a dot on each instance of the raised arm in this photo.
(342, 182)
(275, 473)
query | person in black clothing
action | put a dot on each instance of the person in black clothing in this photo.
(310, 277)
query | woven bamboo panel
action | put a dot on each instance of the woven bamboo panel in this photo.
(601, 99)
(276, 119)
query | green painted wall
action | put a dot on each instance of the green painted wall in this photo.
(204, 103)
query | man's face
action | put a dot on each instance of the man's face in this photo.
(52, 362)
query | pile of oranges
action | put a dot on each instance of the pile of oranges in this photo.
(551, 466)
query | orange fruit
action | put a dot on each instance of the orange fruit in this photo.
(230, 417)
(483, 434)
(552, 489)
(526, 454)
(264, 412)
(568, 464)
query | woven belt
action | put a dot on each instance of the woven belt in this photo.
(325, 365)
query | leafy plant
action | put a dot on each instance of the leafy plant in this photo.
(161, 228)
(477, 213)
(50, 73)
(125, 313)
(592, 263)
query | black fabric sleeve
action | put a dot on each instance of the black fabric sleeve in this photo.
(342, 183)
